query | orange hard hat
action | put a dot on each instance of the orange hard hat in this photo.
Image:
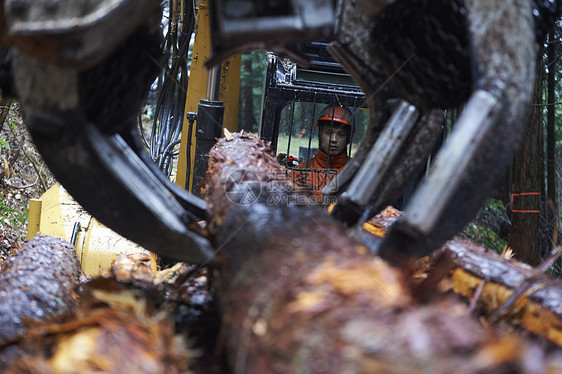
(335, 113)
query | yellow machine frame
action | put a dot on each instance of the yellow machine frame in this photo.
(197, 89)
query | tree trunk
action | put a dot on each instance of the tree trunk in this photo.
(551, 133)
(116, 328)
(299, 294)
(551, 174)
(247, 94)
(527, 187)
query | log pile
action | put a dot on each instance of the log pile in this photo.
(116, 329)
(121, 323)
(297, 292)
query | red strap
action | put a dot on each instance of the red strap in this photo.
(525, 194)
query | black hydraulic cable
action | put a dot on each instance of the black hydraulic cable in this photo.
(191, 116)
(159, 98)
(172, 88)
(166, 166)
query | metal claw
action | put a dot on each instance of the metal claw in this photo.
(71, 33)
(484, 139)
(450, 168)
(355, 199)
(475, 58)
(411, 236)
(110, 181)
(82, 117)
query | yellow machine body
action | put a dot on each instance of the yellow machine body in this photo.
(229, 91)
(57, 214)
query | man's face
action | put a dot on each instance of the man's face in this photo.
(334, 140)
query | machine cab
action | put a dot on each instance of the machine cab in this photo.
(294, 97)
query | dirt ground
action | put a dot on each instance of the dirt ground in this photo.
(23, 176)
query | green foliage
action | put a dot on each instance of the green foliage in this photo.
(488, 228)
(252, 83)
(4, 144)
(495, 208)
(11, 216)
(13, 123)
(556, 269)
(484, 236)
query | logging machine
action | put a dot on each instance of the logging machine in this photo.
(195, 118)
(82, 72)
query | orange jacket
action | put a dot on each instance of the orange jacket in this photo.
(306, 181)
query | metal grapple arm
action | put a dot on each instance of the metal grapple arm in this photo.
(81, 76)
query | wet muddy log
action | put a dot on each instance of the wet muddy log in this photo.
(36, 282)
(507, 289)
(299, 294)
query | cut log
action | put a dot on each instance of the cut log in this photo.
(537, 304)
(510, 290)
(116, 329)
(299, 294)
(131, 320)
(36, 282)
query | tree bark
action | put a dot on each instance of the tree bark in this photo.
(551, 123)
(551, 174)
(527, 187)
(117, 328)
(36, 282)
(300, 294)
(511, 290)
